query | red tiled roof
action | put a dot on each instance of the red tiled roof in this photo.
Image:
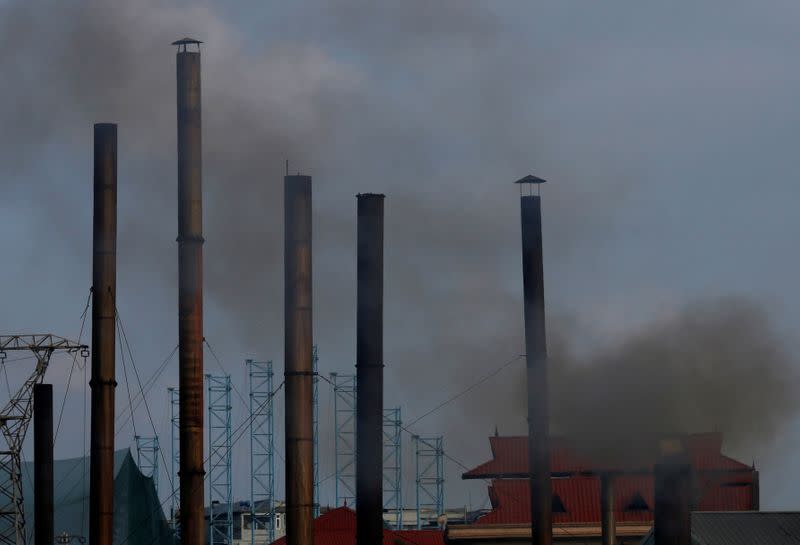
(510, 457)
(338, 527)
(581, 498)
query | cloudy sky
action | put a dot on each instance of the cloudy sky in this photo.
(667, 133)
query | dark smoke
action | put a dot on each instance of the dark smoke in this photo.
(717, 365)
(436, 104)
(400, 101)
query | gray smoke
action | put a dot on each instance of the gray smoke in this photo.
(438, 105)
(716, 365)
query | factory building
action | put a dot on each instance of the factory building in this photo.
(720, 483)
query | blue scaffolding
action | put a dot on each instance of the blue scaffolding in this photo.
(175, 461)
(344, 409)
(219, 460)
(392, 467)
(262, 453)
(430, 479)
(315, 366)
(147, 457)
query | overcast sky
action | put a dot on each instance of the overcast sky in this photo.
(667, 133)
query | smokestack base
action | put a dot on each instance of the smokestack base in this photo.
(673, 499)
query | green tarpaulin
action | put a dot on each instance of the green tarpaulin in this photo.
(138, 517)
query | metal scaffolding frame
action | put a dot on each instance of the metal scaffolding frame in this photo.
(15, 418)
(147, 450)
(315, 367)
(262, 452)
(392, 466)
(344, 409)
(219, 460)
(175, 461)
(430, 477)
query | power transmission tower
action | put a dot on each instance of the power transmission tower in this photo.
(392, 466)
(315, 366)
(147, 457)
(14, 420)
(262, 453)
(344, 409)
(219, 460)
(430, 478)
(175, 460)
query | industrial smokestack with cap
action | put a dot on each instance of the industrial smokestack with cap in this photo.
(190, 293)
(298, 368)
(369, 369)
(536, 359)
(104, 307)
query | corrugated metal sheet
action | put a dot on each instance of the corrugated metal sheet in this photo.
(338, 527)
(581, 498)
(510, 458)
(744, 528)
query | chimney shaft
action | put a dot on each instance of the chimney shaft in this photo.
(298, 365)
(190, 298)
(608, 522)
(536, 354)
(104, 292)
(43, 463)
(369, 369)
(672, 512)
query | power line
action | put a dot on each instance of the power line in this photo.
(225, 371)
(471, 387)
(129, 414)
(144, 397)
(125, 374)
(149, 383)
(84, 315)
(239, 430)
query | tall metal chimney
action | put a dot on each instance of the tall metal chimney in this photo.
(673, 499)
(43, 463)
(298, 368)
(369, 371)
(190, 293)
(104, 294)
(608, 521)
(536, 357)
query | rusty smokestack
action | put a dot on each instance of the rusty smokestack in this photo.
(104, 294)
(369, 370)
(608, 521)
(536, 359)
(672, 512)
(298, 368)
(43, 463)
(190, 293)
(673, 495)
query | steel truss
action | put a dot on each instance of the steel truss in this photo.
(147, 457)
(14, 420)
(344, 408)
(430, 478)
(392, 466)
(262, 453)
(219, 464)
(175, 461)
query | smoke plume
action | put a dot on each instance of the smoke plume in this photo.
(716, 365)
(439, 106)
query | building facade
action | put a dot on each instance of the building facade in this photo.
(720, 483)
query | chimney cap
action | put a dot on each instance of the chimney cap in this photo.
(531, 179)
(184, 42)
